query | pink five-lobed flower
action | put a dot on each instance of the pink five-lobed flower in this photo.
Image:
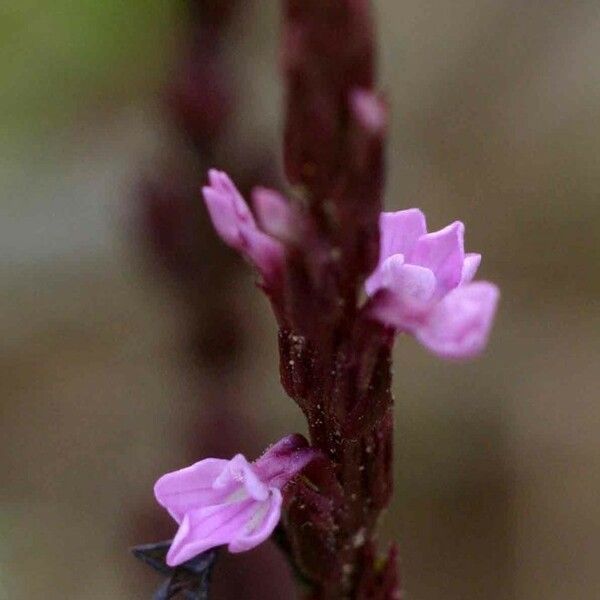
(423, 286)
(237, 226)
(233, 502)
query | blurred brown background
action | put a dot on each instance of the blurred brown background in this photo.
(496, 108)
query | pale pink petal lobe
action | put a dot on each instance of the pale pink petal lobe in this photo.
(443, 252)
(459, 325)
(406, 292)
(470, 266)
(206, 528)
(223, 217)
(183, 490)
(273, 213)
(400, 231)
(260, 525)
(381, 275)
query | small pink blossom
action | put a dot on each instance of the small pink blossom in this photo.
(236, 225)
(233, 502)
(423, 286)
(369, 109)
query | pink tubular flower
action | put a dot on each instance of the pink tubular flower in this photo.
(236, 225)
(234, 502)
(423, 286)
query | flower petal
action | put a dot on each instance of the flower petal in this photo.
(228, 210)
(377, 279)
(458, 326)
(191, 487)
(405, 294)
(273, 213)
(470, 266)
(260, 525)
(413, 285)
(443, 252)
(400, 231)
(208, 527)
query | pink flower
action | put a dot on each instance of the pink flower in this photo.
(234, 502)
(236, 225)
(370, 111)
(423, 286)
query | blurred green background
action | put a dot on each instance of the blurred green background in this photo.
(496, 121)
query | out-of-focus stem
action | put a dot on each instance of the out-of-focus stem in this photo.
(199, 100)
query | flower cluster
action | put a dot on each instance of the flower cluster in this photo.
(423, 284)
